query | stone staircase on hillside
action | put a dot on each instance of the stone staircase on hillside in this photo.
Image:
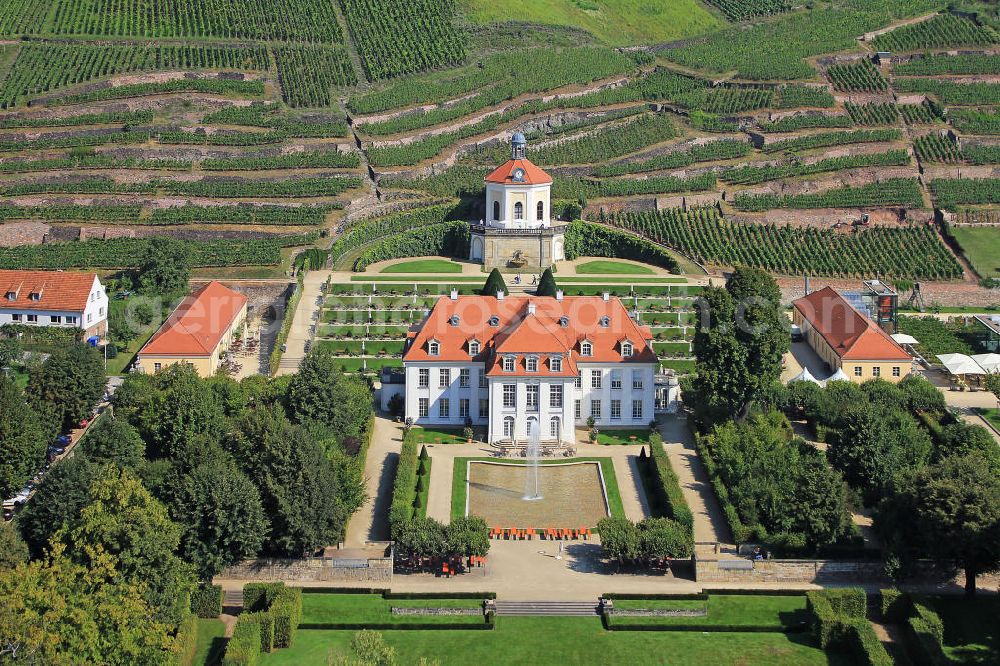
(548, 608)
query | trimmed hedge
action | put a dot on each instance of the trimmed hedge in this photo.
(925, 631)
(446, 239)
(741, 533)
(260, 596)
(243, 649)
(666, 485)
(186, 641)
(286, 611)
(584, 239)
(896, 606)
(286, 323)
(206, 601)
(266, 624)
(839, 622)
(404, 489)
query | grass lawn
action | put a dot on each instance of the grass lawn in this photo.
(608, 267)
(211, 644)
(424, 266)
(433, 435)
(991, 414)
(322, 608)
(421, 279)
(971, 631)
(616, 22)
(620, 280)
(458, 479)
(981, 246)
(612, 437)
(775, 612)
(558, 641)
(118, 364)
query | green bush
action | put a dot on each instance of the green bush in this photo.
(839, 622)
(404, 490)
(260, 596)
(666, 486)
(206, 601)
(896, 606)
(926, 633)
(186, 642)
(286, 612)
(243, 649)
(266, 622)
(851, 601)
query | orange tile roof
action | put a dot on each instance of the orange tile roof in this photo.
(196, 327)
(59, 292)
(519, 333)
(504, 174)
(850, 334)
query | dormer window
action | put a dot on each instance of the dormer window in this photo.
(11, 295)
(453, 320)
(494, 321)
(586, 348)
(473, 347)
(35, 295)
(564, 321)
(626, 349)
(508, 364)
(531, 364)
(605, 322)
(434, 348)
(555, 364)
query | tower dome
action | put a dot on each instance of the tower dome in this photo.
(518, 144)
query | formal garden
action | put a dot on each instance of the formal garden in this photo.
(363, 323)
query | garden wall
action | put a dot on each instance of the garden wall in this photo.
(736, 570)
(312, 569)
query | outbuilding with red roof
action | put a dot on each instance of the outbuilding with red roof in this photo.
(847, 339)
(198, 332)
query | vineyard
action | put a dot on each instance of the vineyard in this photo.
(976, 121)
(41, 68)
(309, 20)
(942, 31)
(826, 139)
(936, 65)
(725, 149)
(397, 37)
(753, 175)
(948, 92)
(741, 10)
(795, 97)
(873, 114)
(862, 76)
(310, 74)
(948, 193)
(912, 252)
(892, 192)
(937, 147)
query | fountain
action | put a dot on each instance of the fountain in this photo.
(532, 490)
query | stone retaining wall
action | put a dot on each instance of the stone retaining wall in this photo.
(436, 611)
(308, 570)
(788, 571)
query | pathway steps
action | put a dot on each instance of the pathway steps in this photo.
(548, 608)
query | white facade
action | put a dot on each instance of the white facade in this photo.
(91, 318)
(619, 395)
(518, 206)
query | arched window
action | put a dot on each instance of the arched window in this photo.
(473, 347)
(540, 211)
(531, 364)
(508, 364)
(531, 427)
(496, 210)
(586, 349)
(626, 349)
(554, 427)
(434, 348)
(519, 211)
(508, 426)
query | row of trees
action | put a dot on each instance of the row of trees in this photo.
(184, 478)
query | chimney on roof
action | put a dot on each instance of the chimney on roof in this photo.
(559, 294)
(531, 307)
(499, 294)
(606, 296)
(454, 294)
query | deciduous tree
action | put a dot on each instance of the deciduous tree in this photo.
(68, 384)
(57, 502)
(949, 512)
(23, 440)
(221, 517)
(115, 441)
(166, 267)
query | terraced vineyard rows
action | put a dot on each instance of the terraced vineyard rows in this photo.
(944, 30)
(862, 76)
(397, 37)
(912, 252)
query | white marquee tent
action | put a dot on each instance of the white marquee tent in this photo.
(960, 364)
